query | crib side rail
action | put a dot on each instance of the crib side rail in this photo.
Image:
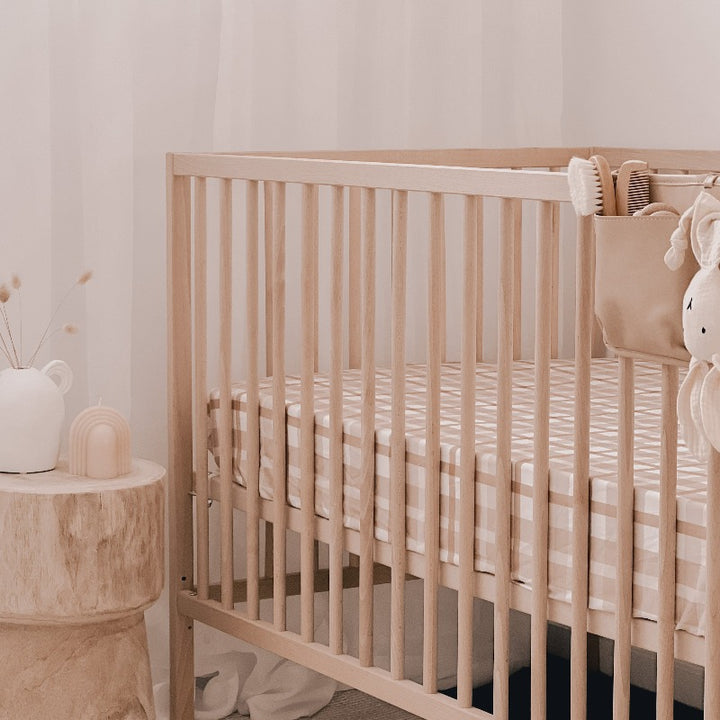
(248, 250)
(264, 237)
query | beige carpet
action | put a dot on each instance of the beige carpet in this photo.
(354, 705)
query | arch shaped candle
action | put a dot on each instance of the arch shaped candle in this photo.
(100, 443)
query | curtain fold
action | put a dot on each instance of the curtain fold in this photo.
(94, 93)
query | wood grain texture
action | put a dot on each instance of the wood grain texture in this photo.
(526, 157)
(307, 408)
(268, 234)
(432, 445)
(398, 441)
(517, 235)
(200, 431)
(335, 541)
(503, 483)
(180, 438)
(480, 267)
(505, 183)
(712, 613)
(225, 370)
(544, 313)
(367, 432)
(624, 556)
(354, 290)
(75, 549)
(668, 543)
(278, 411)
(100, 670)
(581, 469)
(555, 301)
(466, 549)
(252, 527)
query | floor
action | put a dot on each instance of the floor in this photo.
(354, 705)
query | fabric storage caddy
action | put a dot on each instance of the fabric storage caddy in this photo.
(638, 300)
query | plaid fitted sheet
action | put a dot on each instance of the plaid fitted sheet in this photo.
(691, 500)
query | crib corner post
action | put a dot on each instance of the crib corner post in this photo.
(180, 459)
(712, 629)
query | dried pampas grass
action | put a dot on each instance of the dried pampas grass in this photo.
(12, 347)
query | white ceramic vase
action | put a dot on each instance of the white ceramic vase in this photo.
(32, 410)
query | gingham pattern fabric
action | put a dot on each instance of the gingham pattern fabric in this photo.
(603, 484)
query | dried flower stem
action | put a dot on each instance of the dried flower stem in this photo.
(80, 281)
(10, 335)
(16, 285)
(5, 350)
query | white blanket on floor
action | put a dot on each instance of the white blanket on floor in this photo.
(233, 677)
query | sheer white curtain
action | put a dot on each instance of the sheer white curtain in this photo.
(93, 93)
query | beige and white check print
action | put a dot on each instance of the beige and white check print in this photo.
(603, 484)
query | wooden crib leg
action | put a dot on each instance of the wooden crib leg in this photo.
(180, 465)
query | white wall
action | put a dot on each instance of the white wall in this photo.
(641, 73)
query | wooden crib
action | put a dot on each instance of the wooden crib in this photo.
(322, 308)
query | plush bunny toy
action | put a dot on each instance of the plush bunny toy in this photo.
(699, 396)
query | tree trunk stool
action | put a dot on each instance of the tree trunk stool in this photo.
(80, 561)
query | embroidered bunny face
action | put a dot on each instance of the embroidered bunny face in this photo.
(701, 314)
(699, 396)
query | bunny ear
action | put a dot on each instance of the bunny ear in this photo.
(705, 233)
(689, 410)
(675, 256)
(710, 407)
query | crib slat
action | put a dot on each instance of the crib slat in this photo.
(467, 455)
(581, 469)
(712, 607)
(517, 280)
(624, 557)
(503, 487)
(268, 189)
(269, 234)
(480, 223)
(367, 422)
(335, 432)
(200, 382)
(555, 301)
(225, 429)
(354, 290)
(432, 450)
(278, 408)
(397, 449)
(443, 281)
(541, 457)
(668, 544)
(307, 413)
(316, 274)
(252, 528)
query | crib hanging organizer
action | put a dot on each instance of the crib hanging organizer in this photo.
(638, 300)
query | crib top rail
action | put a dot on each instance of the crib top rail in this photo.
(665, 160)
(523, 157)
(495, 172)
(461, 180)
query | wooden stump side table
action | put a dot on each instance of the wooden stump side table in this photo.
(80, 561)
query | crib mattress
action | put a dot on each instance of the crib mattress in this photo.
(691, 503)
